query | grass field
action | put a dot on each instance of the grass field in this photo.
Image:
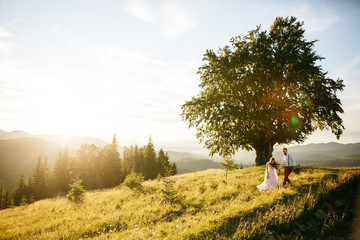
(319, 205)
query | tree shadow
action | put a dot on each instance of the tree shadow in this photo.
(330, 218)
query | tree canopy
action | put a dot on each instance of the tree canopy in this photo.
(265, 89)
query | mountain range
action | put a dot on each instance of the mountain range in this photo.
(19, 152)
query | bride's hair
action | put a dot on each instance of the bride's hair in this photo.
(275, 165)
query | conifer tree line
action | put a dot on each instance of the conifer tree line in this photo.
(97, 167)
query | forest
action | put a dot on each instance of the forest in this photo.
(96, 167)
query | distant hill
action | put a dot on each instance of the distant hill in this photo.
(180, 156)
(73, 142)
(20, 155)
(321, 155)
(193, 165)
(184, 145)
(14, 134)
(325, 154)
(20, 150)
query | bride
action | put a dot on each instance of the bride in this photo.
(271, 178)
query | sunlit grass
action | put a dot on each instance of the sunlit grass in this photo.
(206, 207)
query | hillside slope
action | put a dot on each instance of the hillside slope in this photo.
(20, 155)
(320, 204)
(19, 152)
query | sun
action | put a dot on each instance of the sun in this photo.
(64, 139)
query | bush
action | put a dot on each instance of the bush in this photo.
(24, 201)
(76, 192)
(133, 180)
(169, 193)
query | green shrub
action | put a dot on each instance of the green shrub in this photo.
(24, 201)
(133, 180)
(76, 192)
(169, 193)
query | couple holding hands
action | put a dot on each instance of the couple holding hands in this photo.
(271, 177)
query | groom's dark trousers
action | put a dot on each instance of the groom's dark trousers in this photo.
(287, 172)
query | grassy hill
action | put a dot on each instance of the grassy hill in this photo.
(319, 205)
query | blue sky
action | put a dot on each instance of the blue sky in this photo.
(96, 68)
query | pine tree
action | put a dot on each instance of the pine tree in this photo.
(30, 193)
(150, 164)
(6, 198)
(173, 169)
(77, 191)
(20, 191)
(128, 161)
(163, 161)
(168, 192)
(139, 159)
(112, 164)
(62, 171)
(39, 184)
(38, 181)
(48, 191)
(229, 165)
(87, 165)
(2, 200)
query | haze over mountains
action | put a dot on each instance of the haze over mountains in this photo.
(19, 152)
(72, 142)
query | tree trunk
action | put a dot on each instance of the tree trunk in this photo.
(263, 153)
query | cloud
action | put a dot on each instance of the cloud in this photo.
(54, 30)
(315, 21)
(141, 9)
(152, 88)
(318, 24)
(171, 17)
(350, 98)
(350, 72)
(4, 33)
(6, 46)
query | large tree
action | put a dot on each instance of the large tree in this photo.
(265, 89)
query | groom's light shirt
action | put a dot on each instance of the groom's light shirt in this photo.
(288, 161)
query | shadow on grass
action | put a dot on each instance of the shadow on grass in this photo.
(330, 218)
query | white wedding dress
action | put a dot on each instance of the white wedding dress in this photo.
(272, 181)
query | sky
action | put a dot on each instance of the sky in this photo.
(95, 68)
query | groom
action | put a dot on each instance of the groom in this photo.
(290, 164)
